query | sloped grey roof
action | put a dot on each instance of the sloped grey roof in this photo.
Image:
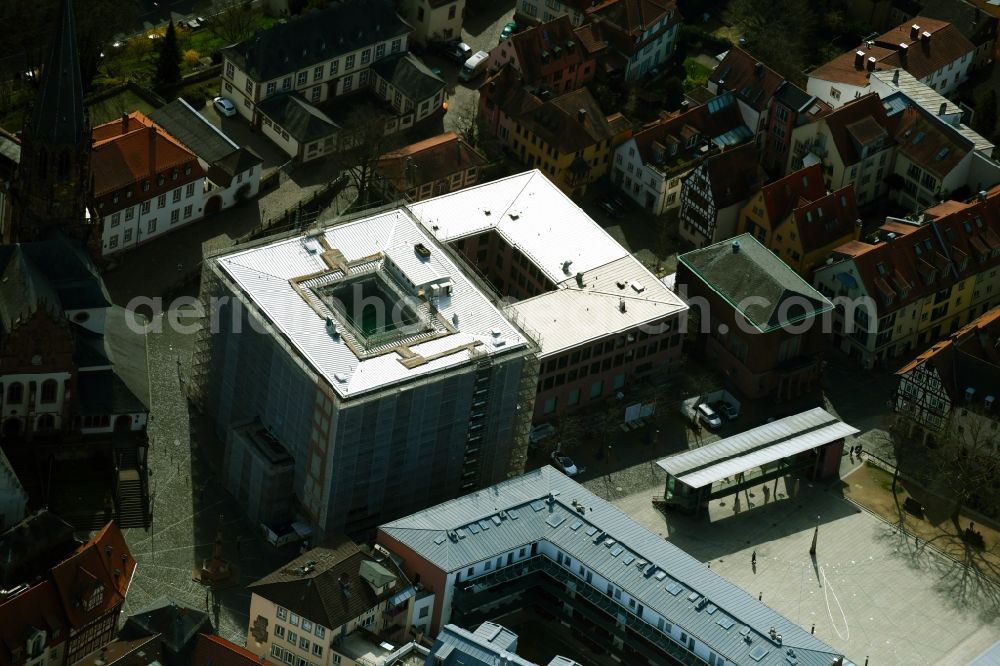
(758, 284)
(104, 392)
(542, 505)
(410, 76)
(177, 625)
(317, 37)
(455, 646)
(298, 117)
(192, 129)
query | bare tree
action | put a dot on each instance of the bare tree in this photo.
(363, 140)
(235, 20)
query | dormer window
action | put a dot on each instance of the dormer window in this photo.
(929, 277)
(161, 179)
(145, 186)
(173, 175)
(36, 644)
(95, 599)
(187, 170)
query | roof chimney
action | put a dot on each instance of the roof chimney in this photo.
(914, 31)
(859, 60)
(926, 36)
(871, 63)
(944, 109)
(903, 48)
(758, 70)
(982, 195)
(736, 247)
(895, 77)
(581, 115)
(124, 122)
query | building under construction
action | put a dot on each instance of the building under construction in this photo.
(358, 371)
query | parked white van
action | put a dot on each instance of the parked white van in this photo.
(474, 66)
(708, 416)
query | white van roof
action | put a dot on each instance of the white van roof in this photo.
(476, 58)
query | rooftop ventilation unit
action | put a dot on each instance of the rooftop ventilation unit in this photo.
(970, 393)
(989, 401)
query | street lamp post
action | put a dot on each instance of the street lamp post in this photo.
(812, 549)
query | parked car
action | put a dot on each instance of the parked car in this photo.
(708, 416)
(440, 47)
(564, 464)
(507, 31)
(459, 53)
(224, 107)
(608, 208)
(474, 66)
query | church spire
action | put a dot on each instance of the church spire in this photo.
(52, 187)
(58, 116)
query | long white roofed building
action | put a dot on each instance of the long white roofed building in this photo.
(544, 540)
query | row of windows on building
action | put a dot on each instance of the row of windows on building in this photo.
(161, 180)
(161, 202)
(319, 72)
(126, 237)
(47, 395)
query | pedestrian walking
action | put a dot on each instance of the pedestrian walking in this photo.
(767, 494)
(753, 559)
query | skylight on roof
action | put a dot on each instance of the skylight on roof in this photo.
(674, 588)
(577, 524)
(660, 575)
(918, 138)
(693, 596)
(590, 531)
(628, 559)
(496, 520)
(512, 513)
(538, 505)
(485, 524)
(616, 551)
(758, 653)
(474, 528)
(440, 540)
(555, 520)
(725, 622)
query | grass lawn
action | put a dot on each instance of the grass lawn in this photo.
(696, 74)
(111, 108)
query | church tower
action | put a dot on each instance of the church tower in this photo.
(52, 185)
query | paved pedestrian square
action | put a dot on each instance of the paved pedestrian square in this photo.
(871, 591)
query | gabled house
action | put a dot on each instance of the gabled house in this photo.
(73, 609)
(799, 220)
(977, 23)
(790, 107)
(547, 56)
(762, 322)
(503, 97)
(714, 192)
(432, 167)
(934, 52)
(854, 144)
(332, 605)
(433, 19)
(232, 173)
(920, 281)
(752, 83)
(950, 391)
(650, 166)
(145, 182)
(641, 34)
(569, 139)
(282, 78)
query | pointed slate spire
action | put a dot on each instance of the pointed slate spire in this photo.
(58, 116)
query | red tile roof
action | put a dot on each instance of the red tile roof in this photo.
(734, 174)
(928, 144)
(556, 39)
(632, 17)
(560, 122)
(430, 160)
(922, 56)
(783, 195)
(748, 78)
(862, 118)
(215, 651)
(134, 149)
(931, 257)
(35, 608)
(699, 119)
(590, 37)
(827, 219)
(104, 563)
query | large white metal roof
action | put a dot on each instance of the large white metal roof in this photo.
(264, 274)
(533, 215)
(756, 447)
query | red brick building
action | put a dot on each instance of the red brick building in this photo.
(759, 323)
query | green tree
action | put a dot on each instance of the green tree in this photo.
(362, 141)
(777, 32)
(168, 62)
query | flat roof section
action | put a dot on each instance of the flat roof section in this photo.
(756, 447)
